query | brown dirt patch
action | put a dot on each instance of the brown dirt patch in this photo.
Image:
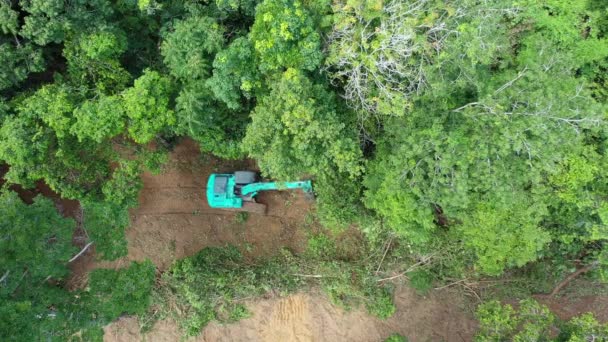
(173, 219)
(310, 317)
(566, 308)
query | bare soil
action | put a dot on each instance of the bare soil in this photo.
(311, 317)
(173, 219)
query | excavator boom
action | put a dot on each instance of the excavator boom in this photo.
(253, 188)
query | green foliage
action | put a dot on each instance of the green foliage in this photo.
(106, 223)
(147, 106)
(124, 186)
(403, 211)
(495, 321)
(421, 280)
(505, 234)
(534, 322)
(104, 45)
(338, 200)
(8, 18)
(584, 328)
(471, 134)
(241, 217)
(503, 145)
(50, 21)
(235, 74)
(124, 291)
(93, 59)
(189, 49)
(347, 280)
(53, 105)
(209, 285)
(16, 63)
(36, 245)
(313, 138)
(99, 120)
(217, 129)
(284, 36)
(36, 241)
(376, 51)
(396, 338)
(237, 8)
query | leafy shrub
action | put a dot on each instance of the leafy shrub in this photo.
(241, 217)
(209, 285)
(346, 281)
(396, 338)
(124, 291)
(584, 328)
(321, 246)
(532, 322)
(421, 280)
(124, 186)
(379, 300)
(105, 223)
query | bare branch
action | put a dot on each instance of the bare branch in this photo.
(81, 252)
(5, 275)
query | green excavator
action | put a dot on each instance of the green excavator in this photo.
(238, 190)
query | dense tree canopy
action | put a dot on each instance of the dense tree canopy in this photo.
(296, 129)
(471, 134)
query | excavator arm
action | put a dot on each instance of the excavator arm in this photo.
(252, 189)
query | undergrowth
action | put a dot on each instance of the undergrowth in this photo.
(216, 283)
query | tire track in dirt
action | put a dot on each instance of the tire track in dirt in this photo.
(304, 317)
(289, 320)
(173, 219)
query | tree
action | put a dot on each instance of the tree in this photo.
(99, 120)
(478, 149)
(53, 105)
(36, 242)
(235, 75)
(217, 129)
(297, 129)
(504, 231)
(8, 18)
(123, 188)
(147, 106)
(377, 52)
(50, 21)
(93, 60)
(105, 223)
(37, 145)
(237, 8)
(36, 245)
(584, 328)
(189, 49)
(284, 36)
(17, 63)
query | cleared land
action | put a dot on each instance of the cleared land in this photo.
(173, 221)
